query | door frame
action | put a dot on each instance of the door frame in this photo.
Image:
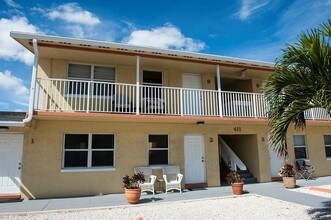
(20, 158)
(204, 155)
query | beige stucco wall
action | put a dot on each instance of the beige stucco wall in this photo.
(43, 143)
(42, 177)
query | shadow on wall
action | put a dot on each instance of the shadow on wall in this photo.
(321, 213)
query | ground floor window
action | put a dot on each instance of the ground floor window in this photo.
(88, 150)
(300, 148)
(158, 149)
(327, 144)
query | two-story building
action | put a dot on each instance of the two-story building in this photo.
(98, 109)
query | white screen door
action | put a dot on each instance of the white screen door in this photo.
(192, 103)
(275, 163)
(194, 151)
(11, 146)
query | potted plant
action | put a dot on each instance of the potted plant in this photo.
(132, 188)
(236, 181)
(288, 174)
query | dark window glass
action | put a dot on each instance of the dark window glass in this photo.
(158, 141)
(327, 140)
(102, 141)
(76, 141)
(300, 153)
(75, 159)
(328, 151)
(299, 140)
(152, 77)
(104, 73)
(157, 157)
(102, 158)
(79, 71)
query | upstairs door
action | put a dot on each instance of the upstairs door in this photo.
(11, 146)
(194, 153)
(192, 103)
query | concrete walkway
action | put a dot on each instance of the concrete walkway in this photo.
(272, 189)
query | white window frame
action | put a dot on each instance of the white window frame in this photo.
(89, 155)
(148, 149)
(326, 145)
(305, 146)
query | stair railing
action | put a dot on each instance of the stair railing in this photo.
(230, 158)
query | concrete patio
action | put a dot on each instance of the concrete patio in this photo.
(273, 189)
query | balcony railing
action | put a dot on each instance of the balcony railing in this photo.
(63, 95)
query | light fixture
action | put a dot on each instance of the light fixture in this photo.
(4, 128)
(200, 123)
(241, 74)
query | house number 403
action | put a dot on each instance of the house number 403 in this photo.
(237, 129)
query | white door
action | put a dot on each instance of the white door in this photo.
(194, 152)
(11, 146)
(192, 104)
(275, 163)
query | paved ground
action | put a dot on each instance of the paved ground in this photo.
(318, 204)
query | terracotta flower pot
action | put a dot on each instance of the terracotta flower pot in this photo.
(237, 188)
(133, 195)
(289, 182)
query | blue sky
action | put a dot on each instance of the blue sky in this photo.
(253, 29)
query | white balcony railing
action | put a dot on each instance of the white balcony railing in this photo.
(63, 95)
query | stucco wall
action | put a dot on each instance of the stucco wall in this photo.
(42, 177)
(42, 153)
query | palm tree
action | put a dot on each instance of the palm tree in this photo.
(301, 81)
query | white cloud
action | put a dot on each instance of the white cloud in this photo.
(248, 7)
(168, 36)
(13, 84)
(10, 49)
(73, 13)
(11, 3)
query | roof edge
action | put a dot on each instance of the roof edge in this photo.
(29, 36)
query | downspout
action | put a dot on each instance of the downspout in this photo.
(33, 81)
(32, 91)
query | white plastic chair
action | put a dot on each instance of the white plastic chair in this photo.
(172, 178)
(148, 185)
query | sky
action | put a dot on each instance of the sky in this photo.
(252, 29)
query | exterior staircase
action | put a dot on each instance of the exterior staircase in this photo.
(249, 178)
(230, 161)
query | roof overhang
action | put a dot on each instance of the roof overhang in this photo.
(144, 51)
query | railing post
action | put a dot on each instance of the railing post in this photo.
(312, 114)
(219, 90)
(254, 105)
(88, 97)
(137, 84)
(181, 102)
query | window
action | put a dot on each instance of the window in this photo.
(88, 150)
(152, 79)
(158, 149)
(327, 144)
(300, 147)
(91, 73)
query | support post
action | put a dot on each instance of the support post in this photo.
(219, 90)
(137, 84)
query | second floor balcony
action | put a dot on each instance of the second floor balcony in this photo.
(64, 95)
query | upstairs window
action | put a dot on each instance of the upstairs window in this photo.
(300, 148)
(152, 78)
(158, 149)
(94, 73)
(327, 144)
